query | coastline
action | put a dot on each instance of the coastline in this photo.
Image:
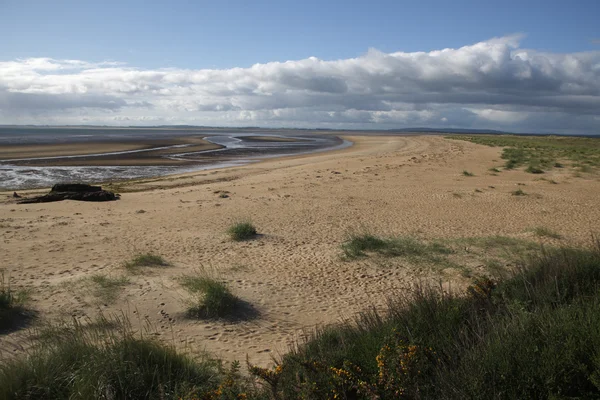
(304, 207)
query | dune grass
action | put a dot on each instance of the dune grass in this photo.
(533, 335)
(542, 231)
(467, 173)
(107, 288)
(243, 230)
(501, 340)
(145, 260)
(358, 245)
(541, 153)
(94, 362)
(211, 297)
(518, 192)
(12, 305)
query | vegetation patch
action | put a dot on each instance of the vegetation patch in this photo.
(107, 288)
(94, 362)
(244, 230)
(541, 152)
(542, 231)
(13, 314)
(360, 245)
(467, 173)
(502, 340)
(534, 170)
(211, 298)
(518, 192)
(145, 260)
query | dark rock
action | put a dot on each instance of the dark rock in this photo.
(16, 196)
(75, 187)
(75, 191)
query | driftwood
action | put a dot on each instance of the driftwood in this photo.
(73, 191)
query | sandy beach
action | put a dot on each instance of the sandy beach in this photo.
(304, 207)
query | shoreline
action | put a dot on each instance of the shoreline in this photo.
(188, 153)
(304, 208)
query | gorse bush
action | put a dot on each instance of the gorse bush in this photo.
(242, 231)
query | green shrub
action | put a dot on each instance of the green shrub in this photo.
(518, 192)
(467, 173)
(242, 231)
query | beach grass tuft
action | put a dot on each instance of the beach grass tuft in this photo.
(542, 231)
(243, 230)
(467, 173)
(359, 245)
(145, 260)
(108, 288)
(211, 297)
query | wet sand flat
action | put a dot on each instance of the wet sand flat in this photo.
(304, 207)
(148, 157)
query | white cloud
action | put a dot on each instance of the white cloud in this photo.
(491, 84)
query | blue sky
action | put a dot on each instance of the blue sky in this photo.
(139, 62)
(225, 34)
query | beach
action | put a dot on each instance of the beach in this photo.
(304, 207)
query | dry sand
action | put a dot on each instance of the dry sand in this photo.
(303, 206)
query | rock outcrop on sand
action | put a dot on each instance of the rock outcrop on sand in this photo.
(73, 191)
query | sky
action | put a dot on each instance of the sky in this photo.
(521, 66)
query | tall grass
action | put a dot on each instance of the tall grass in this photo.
(535, 335)
(80, 362)
(12, 311)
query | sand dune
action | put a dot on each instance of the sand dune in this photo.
(303, 206)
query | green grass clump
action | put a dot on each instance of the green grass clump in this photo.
(467, 173)
(534, 335)
(145, 260)
(80, 362)
(494, 169)
(242, 231)
(212, 298)
(518, 192)
(108, 288)
(358, 245)
(542, 231)
(12, 311)
(534, 170)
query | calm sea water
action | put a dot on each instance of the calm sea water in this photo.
(238, 150)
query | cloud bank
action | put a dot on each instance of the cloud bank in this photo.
(492, 84)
